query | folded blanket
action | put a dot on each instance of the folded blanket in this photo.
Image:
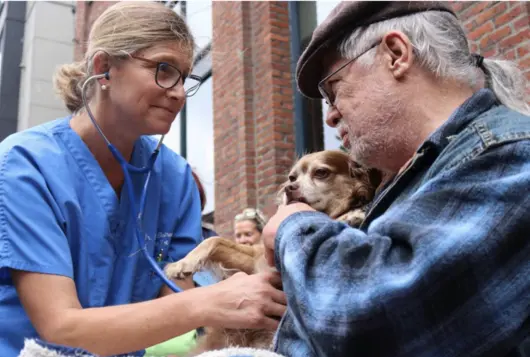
(239, 352)
(37, 348)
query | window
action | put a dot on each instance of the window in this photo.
(199, 108)
(200, 152)
(331, 141)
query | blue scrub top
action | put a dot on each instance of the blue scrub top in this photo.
(59, 215)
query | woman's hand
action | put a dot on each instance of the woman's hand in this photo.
(245, 301)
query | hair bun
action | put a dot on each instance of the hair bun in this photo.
(67, 82)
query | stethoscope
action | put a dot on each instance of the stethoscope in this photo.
(126, 168)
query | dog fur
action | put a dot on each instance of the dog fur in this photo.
(330, 182)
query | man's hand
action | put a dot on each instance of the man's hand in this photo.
(270, 229)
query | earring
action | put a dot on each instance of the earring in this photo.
(104, 87)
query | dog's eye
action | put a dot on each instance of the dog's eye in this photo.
(292, 178)
(321, 173)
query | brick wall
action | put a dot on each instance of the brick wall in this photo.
(253, 118)
(86, 13)
(498, 29)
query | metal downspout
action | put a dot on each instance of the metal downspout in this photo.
(299, 124)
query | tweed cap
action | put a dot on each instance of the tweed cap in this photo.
(346, 17)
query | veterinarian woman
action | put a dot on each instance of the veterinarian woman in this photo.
(72, 270)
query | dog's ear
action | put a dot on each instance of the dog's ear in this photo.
(356, 170)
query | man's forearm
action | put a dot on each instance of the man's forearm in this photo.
(131, 327)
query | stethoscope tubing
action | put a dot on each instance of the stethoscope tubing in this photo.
(127, 168)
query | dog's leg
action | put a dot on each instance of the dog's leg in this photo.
(353, 218)
(223, 252)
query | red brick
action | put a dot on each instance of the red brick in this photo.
(522, 23)
(469, 26)
(508, 16)
(516, 39)
(489, 13)
(510, 55)
(458, 5)
(495, 37)
(480, 31)
(474, 9)
(523, 50)
(525, 63)
(86, 14)
(490, 53)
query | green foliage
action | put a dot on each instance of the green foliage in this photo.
(341, 147)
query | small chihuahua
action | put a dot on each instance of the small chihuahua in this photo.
(328, 181)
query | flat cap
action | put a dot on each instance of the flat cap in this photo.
(345, 17)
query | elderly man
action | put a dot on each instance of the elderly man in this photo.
(440, 266)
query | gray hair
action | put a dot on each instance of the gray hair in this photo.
(441, 47)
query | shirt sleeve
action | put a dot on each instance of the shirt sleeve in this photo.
(31, 238)
(188, 231)
(444, 272)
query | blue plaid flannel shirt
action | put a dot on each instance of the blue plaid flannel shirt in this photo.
(441, 265)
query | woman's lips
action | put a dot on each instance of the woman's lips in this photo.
(165, 109)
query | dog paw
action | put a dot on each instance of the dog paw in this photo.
(353, 218)
(181, 269)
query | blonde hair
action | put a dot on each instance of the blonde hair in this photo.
(254, 215)
(121, 30)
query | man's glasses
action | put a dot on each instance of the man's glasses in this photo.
(168, 76)
(323, 86)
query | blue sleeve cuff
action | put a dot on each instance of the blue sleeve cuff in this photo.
(299, 223)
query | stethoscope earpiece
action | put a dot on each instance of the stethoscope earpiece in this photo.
(107, 76)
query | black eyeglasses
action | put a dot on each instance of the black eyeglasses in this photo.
(324, 88)
(168, 76)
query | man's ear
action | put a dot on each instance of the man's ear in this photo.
(398, 53)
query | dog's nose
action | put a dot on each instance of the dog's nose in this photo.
(292, 187)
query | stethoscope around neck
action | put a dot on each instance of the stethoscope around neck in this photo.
(127, 168)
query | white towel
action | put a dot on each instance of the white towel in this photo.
(33, 349)
(239, 352)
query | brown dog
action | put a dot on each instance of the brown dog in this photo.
(328, 181)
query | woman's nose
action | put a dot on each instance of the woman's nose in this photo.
(177, 92)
